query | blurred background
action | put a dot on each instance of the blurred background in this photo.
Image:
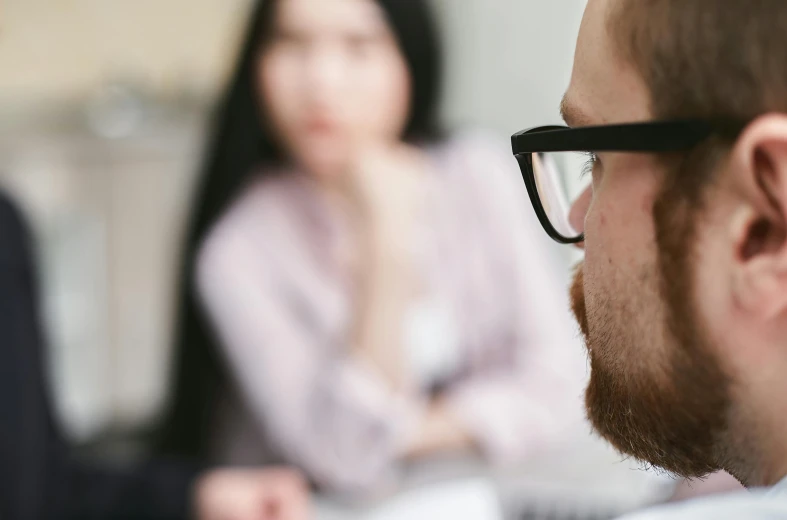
(103, 111)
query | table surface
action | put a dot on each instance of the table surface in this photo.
(581, 479)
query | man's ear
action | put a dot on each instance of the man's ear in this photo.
(758, 170)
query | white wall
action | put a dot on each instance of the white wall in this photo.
(52, 49)
(509, 60)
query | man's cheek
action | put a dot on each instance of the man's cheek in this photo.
(596, 230)
(615, 221)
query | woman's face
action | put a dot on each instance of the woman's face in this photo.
(332, 80)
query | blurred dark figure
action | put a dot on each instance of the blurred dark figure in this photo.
(375, 286)
(37, 478)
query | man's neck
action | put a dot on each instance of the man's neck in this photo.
(756, 449)
(772, 430)
(771, 477)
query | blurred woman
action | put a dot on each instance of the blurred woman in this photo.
(376, 288)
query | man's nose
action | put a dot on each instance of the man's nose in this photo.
(576, 216)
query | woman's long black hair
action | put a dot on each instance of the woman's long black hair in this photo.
(240, 144)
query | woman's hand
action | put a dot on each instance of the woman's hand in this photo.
(440, 432)
(387, 187)
(249, 494)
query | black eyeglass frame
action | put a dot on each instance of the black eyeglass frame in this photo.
(647, 137)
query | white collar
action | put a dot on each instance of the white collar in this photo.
(779, 489)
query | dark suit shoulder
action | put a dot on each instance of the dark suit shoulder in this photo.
(14, 235)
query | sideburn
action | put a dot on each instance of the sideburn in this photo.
(578, 301)
(696, 373)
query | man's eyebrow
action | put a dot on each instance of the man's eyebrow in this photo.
(572, 115)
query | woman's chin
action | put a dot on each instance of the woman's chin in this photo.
(325, 170)
(324, 159)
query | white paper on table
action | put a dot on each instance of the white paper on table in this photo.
(473, 499)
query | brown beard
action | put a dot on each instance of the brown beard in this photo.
(578, 301)
(672, 415)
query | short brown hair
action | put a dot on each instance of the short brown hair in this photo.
(707, 58)
(715, 59)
